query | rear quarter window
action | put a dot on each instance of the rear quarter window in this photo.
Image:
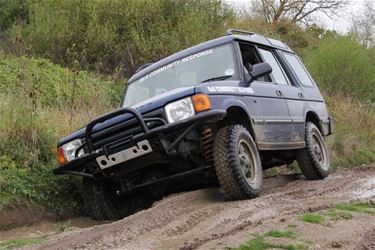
(299, 70)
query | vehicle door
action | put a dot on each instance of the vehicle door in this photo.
(302, 94)
(272, 120)
(291, 93)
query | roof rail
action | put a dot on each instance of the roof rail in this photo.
(231, 31)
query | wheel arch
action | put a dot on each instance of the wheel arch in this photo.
(313, 117)
(237, 114)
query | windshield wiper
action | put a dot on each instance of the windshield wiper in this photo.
(217, 78)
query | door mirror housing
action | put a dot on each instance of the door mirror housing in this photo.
(258, 70)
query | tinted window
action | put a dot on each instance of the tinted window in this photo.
(277, 72)
(299, 69)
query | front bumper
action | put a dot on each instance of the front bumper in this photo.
(86, 165)
(327, 126)
(330, 126)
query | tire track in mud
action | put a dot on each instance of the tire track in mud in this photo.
(202, 219)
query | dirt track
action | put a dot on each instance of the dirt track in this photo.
(201, 219)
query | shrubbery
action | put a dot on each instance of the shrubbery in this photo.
(117, 36)
(36, 109)
(60, 194)
(352, 143)
(344, 71)
(343, 66)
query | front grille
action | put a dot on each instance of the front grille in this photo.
(124, 131)
(121, 131)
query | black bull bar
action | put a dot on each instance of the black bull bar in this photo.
(78, 165)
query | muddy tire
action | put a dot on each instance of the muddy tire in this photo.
(237, 163)
(101, 203)
(313, 160)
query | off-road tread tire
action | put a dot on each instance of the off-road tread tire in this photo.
(227, 166)
(308, 164)
(96, 203)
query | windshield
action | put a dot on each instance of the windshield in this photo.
(203, 66)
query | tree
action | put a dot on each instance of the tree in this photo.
(363, 25)
(297, 11)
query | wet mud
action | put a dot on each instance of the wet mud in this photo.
(202, 219)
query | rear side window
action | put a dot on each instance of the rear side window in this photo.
(298, 69)
(277, 71)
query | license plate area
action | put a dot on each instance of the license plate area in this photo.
(142, 148)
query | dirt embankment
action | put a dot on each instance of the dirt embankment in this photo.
(20, 214)
(202, 219)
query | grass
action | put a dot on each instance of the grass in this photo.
(259, 243)
(9, 244)
(60, 194)
(335, 214)
(341, 212)
(312, 218)
(66, 226)
(352, 143)
(358, 207)
(55, 102)
(52, 85)
(281, 234)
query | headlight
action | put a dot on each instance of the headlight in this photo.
(179, 110)
(67, 151)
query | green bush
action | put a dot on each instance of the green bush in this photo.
(60, 194)
(119, 36)
(341, 65)
(11, 11)
(36, 110)
(344, 71)
(27, 156)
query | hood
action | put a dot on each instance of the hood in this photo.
(146, 106)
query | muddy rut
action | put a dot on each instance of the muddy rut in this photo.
(202, 219)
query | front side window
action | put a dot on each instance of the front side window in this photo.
(250, 57)
(216, 63)
(277, 71)
(298, 69)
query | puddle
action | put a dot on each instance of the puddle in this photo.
(47, 227)
(368, 189)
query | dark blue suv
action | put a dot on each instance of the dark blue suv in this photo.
(217, 113)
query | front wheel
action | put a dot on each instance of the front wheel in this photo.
(313, 160)
(103, 202)
(237, 163)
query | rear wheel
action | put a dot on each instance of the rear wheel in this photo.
(313, 160)
(103, 202)
(237, 163)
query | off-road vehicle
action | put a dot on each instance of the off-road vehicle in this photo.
(219, 112)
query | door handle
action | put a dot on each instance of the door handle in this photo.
(300, 95)
(279, 93)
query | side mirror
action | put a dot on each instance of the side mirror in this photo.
(259, 70)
